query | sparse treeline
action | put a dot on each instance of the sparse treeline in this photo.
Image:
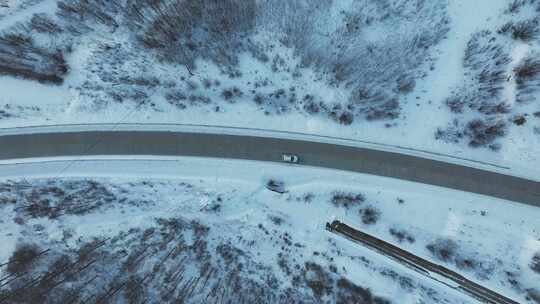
(330, 37)
(488, 73)
(174, 262)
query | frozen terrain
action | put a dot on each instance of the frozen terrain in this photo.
(211, 231)
(456, 77)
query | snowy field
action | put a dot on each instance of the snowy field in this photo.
(210, 230)
(455, 77)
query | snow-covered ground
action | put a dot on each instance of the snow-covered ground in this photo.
(111, 80)
(258, 239)
(458, 77)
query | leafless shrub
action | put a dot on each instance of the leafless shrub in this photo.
(535, 263)
(134, 290)
(142, 81)
(82, 15)
(456, 103)
(490, 108)
(229, 254)
(443, 249)
(453, 133)
(231, 94)
(312, 107)
(51, 201)
(519, 120)
(23, 258)
(369, 215)
(344, 118)
(448, 250)
(527, 75)
(525, 30)
(406, 84)
(317, 279)
(277, 102)
(283, 264)
(348, 292)
(515, 6)
(308, 197)
(533, 295)
(482, 133)
(466, 263)
(42, 23)
(404, 282)
(177, 98)
(401, 235)
(5, 114)
(276, 220)
(344, 199)
(375, 105)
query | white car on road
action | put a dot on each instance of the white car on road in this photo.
(290, 158)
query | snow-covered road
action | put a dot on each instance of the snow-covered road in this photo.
(76, 143)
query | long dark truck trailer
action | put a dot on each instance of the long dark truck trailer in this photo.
(448, 277)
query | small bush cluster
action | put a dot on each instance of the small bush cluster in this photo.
(447, 250)
(53, 201)
(42, 23)
(404, 282)
(527, 77)
(277, 102)
(515, 6)
(479, 132)
(369, 215)
(23, 258)
(347, 292)
(453, 133)
(443, 249)
(527, 70)
(318, 280)
(524, 30)
(535, 263)
(401, 235)
(346, 200)
(231, 94)
(82, 16)
(484, 132)
(533, 295)
(519, 120)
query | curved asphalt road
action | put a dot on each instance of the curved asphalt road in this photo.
(363, 160)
